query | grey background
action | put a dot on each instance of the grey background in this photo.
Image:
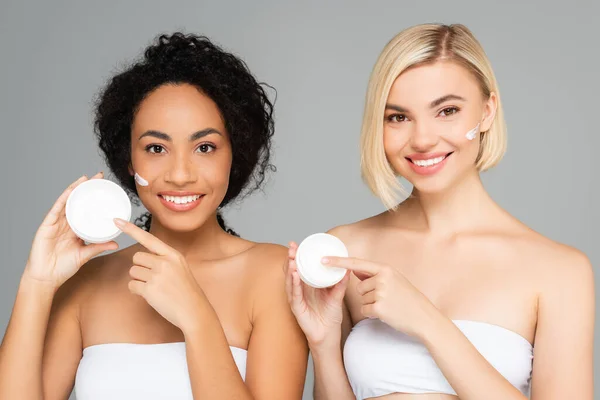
(318, 55)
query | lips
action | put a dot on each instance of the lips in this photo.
(180, 201)
(428, 164)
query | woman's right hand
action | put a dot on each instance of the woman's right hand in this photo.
(57, 253)
(319, 312)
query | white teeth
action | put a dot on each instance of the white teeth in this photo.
(430, 162)
(181, 199)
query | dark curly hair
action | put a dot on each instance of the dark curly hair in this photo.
(190, 59)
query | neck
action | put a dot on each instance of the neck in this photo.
(203, 243)
(463, 207)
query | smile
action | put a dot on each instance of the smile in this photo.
(179, 202)
(181, 199)
(428, 164)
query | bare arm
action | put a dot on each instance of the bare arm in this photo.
(331, 381)
(42, 344)
(563, 359)
(63, 346)
(212, 369)
(563, 362)
(277, 351)
(467, 371)
(23, 344)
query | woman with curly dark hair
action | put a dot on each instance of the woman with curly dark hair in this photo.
(192, 310)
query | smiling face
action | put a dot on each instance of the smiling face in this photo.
(179, 145)
(433, 118)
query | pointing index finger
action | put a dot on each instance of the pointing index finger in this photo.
(144, 238)
(353, 264)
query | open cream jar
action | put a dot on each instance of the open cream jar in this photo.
(91, 208)
(309, 255)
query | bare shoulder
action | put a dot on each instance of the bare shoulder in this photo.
(265, 262)
(564, 265)
(265, 277)
(554, 263)
(359, 235)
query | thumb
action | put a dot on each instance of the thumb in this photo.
(92, 250)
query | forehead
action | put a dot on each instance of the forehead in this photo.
(177, 108)
(424, 83)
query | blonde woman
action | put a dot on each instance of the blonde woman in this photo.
(448, 295)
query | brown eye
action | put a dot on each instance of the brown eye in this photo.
(449, 111)
(205, 148)
(396, 118)
(155, 149)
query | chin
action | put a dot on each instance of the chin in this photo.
(431, 186)
(180, 224)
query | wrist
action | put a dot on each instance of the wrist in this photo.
(434, 324)
(198, 316)
(329, 345)
(31, 285)
(323, 352)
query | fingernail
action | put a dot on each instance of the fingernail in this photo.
(325, 260)
(119, 222)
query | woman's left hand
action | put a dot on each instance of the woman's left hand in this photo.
(164, 279)
(389, 296)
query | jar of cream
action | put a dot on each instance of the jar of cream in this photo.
(91, 208)
(308, 260)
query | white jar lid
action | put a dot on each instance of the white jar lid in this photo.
(309, 255)
(91, 208)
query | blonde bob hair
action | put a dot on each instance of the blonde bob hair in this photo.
(419, 45)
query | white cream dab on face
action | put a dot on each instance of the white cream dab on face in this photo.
(472, 134)
(141, 181)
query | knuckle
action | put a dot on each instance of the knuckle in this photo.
(137, 257)
(376, 308)
(360, 288)
(382, 278)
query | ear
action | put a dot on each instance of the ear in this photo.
(130, 169)
(489, 112)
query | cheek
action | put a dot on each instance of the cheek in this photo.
(466, 144)
(394, 143)
(216, 169)
(147, 168)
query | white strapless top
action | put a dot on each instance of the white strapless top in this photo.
(126, 371)
(379, 360)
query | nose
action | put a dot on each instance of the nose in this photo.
(424, 137)
(181, 171)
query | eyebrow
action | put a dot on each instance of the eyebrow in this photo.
(433, 104)
(193, 137)
(444, 99)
